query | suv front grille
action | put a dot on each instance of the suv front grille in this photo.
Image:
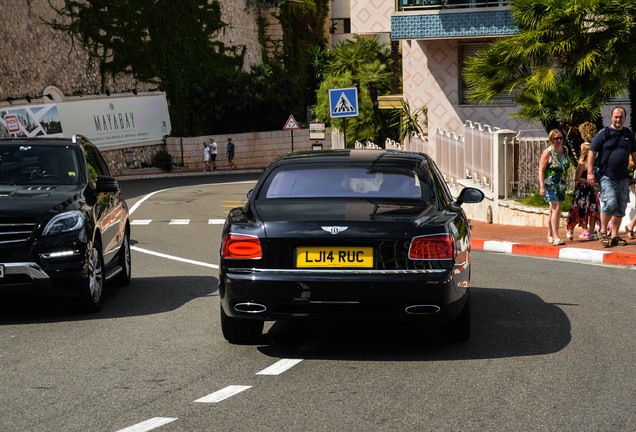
(15, 230)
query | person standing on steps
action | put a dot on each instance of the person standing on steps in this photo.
(553, 168)
(230, 153)
(607, 163)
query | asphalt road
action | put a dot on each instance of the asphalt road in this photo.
(552, 347)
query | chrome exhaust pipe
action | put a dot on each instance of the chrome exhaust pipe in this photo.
(249, 307)
(422, 309)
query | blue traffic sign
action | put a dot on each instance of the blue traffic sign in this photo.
(343, 102)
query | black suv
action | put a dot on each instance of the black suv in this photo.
(63, 221)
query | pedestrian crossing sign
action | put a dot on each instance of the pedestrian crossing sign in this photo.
(291, 123)
(343, 102)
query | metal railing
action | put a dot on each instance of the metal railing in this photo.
(499, 161)
(521, 164)
(410, 5)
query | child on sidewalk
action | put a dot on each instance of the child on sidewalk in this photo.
(585, 204)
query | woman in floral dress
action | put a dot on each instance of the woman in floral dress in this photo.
(553, 168)
(585, 204)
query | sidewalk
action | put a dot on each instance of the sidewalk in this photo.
(520, 240)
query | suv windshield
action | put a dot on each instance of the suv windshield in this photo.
(38, 164)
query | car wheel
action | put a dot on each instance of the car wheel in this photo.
(125, 261)
(92, 287)
(238, 330)
(459, 329)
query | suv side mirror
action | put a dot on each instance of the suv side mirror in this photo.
(469, 195)
(106, 184)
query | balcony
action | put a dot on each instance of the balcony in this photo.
(451, 19)
(409, 5)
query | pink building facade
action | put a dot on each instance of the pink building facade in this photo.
(436, 36)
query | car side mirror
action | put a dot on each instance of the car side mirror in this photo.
(249, 193)
(469, 195)
(106, 184)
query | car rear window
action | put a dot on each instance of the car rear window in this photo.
(347, 182)
(38, 164)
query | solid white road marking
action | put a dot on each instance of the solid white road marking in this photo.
(141, 222)
(216, 221)
(223, 394)
(280, 367)
(179, 222)
(159, 254)
(138, 203)
(147, 425)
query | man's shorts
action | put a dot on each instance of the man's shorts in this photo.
(614, 196)
(213, 156)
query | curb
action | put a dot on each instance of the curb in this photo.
(167, 174)
(558, 252)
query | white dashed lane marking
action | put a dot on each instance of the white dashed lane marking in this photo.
(222, 394)
(150, 424)
(179, 222)
(176, 221)
(279, 367)
(141, 222)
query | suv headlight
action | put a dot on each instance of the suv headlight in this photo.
(64, 222)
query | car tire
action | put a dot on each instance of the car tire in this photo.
(459, 328)
(92, 287)
(239, 330)
(125, 261)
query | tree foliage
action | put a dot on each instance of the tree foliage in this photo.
(175, 45)
(569, 58)
(410, 121)
(365, 64)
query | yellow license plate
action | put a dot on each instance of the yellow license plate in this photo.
(334, 257)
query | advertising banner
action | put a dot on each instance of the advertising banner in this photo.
(110, 121)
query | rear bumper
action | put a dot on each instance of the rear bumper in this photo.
(275, 294)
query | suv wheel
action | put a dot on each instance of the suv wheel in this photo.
(92, 287)
(125, 261)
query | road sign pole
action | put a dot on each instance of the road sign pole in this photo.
(344, 130)
(292, 131)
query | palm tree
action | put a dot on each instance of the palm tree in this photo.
(372, 75)
(569, 58)
(411, 122)
(363, 63)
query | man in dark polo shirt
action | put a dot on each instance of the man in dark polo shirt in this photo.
(613, 145)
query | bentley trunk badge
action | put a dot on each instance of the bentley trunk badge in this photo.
(334, 229)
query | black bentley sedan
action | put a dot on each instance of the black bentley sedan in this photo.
(347, 233)
(64, 225)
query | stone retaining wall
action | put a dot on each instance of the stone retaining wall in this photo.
(35, 56)
(254, 150)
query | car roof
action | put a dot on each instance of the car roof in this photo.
(353, 156)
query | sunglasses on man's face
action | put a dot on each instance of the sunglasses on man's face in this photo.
(558, 138)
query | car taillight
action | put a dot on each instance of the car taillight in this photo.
(432, 247)
(241, 246)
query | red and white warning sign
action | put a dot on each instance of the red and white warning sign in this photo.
(291, 123)
(11, 120)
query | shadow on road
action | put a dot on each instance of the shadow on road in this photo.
(144, 296)
(505, 323)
